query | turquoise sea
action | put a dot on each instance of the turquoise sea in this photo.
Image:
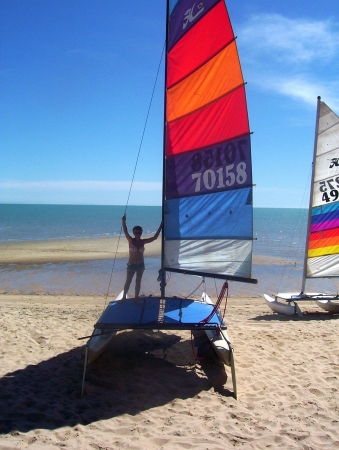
(278, 248)
(277, 230)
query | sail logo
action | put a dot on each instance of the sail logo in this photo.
(334, 163)
(190, 16)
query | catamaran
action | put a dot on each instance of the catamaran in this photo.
(321, 258)
(207, 207)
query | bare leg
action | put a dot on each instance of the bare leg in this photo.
(129, 278)
(138, 282)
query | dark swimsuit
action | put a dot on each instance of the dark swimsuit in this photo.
(135, 267)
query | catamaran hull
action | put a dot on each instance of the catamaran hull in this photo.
(220, 345)
(219, 340)
(100, 340)
(324, 301)
(98, 344)
(328, 305)
(279, 307)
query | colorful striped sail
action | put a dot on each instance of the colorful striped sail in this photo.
(208, 226)
(323, 236)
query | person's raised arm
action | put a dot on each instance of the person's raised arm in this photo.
(124, 227)
(147, 241)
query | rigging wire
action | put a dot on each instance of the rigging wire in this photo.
(135, 168)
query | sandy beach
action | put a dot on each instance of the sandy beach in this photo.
(148, 390)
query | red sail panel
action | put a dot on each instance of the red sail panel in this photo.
(212, 33)
(219, 75)
(324, 239)
(219, 121)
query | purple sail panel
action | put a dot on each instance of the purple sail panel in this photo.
(185, 14)
(218, 168)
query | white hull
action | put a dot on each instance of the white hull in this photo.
(100, 340)
(279, 307)
(324, 301)
(221, 345)
(328, 305)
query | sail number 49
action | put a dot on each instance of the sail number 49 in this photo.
(223, 176)
(329, 190)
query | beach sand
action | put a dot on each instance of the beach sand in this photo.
(148, 390)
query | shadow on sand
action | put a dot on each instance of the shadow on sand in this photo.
(141, 370)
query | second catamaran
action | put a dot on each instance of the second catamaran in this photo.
(322, 241)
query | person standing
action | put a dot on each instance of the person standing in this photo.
(136, 264)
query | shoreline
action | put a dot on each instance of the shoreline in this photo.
(69, 250)
(90, 249)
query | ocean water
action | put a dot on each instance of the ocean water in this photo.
(277, 231)
(45, 222)
(279, 235)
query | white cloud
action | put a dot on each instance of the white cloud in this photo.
(293, 57)
(293, 40)
(302, 88)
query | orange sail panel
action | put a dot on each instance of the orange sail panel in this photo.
(219, 75)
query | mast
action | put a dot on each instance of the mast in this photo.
(303, 281)
(162, 273)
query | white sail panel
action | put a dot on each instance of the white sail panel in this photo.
(327, 118)
(322, 267)
(328, 140)
(325, 162)
(231, 257)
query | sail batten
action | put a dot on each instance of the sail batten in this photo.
(322, 248)
(208, 212)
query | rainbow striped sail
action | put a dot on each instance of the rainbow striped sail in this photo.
(208, 219)
(323, 236)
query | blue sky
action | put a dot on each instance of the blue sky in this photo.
(76, 79)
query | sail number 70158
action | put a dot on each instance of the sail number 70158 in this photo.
(221, 167)
(227, 176)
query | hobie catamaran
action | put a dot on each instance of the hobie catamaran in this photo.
(207, 180)
(322, 242)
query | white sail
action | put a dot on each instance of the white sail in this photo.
(323, 236)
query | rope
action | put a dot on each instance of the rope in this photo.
(143, 133)
(217, 304)
(199, 358)
(226, 297)
(134, 171)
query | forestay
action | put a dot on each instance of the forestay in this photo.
(208, 219)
